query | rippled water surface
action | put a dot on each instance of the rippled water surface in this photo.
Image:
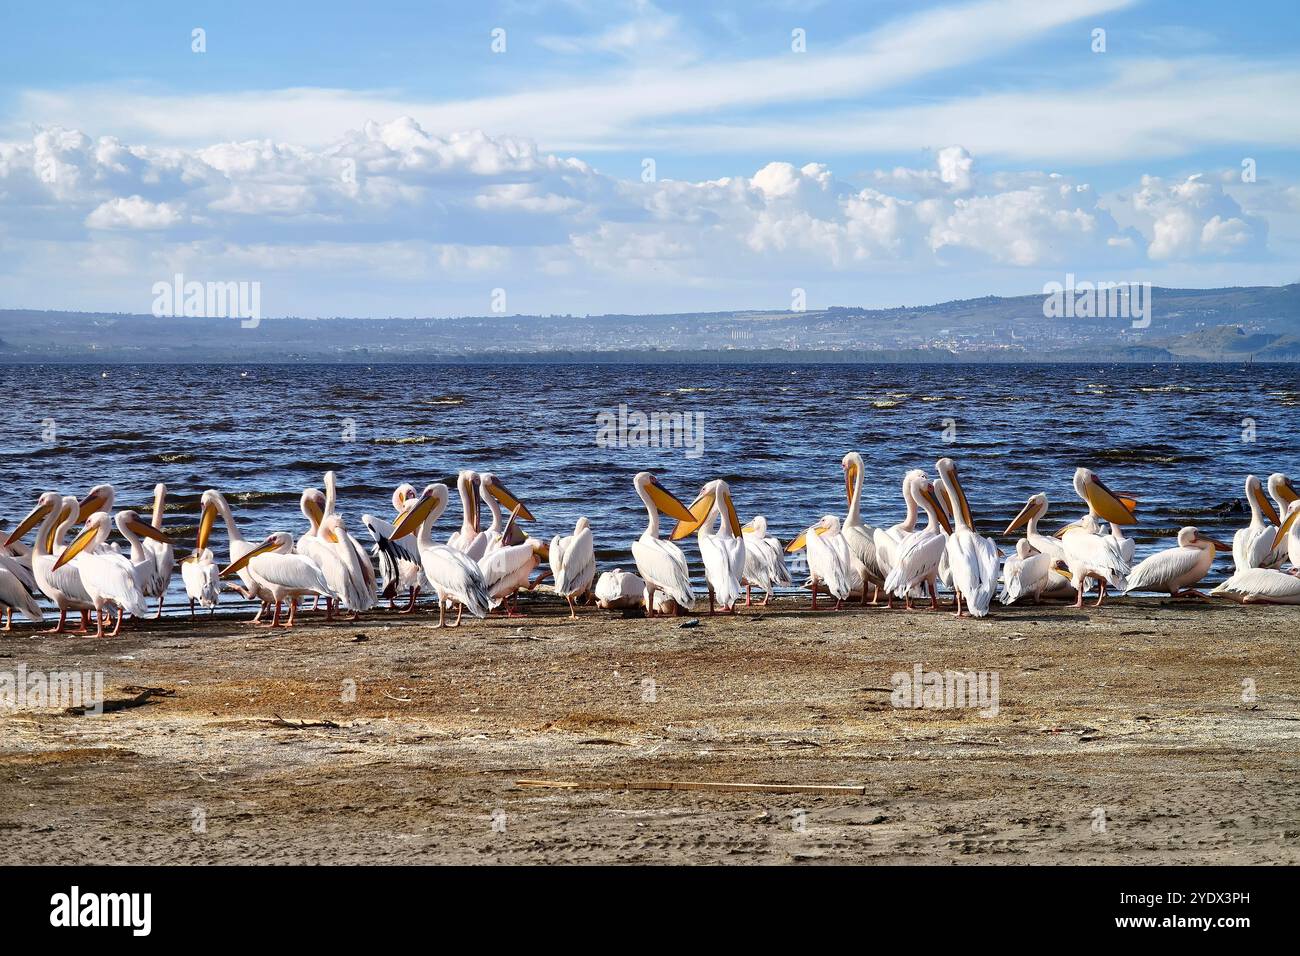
(1171, 435)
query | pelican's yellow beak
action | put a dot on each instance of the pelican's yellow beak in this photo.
(1106, 504)
(1021, 519)
(666, 503)
(1072, 526)
(239, 565)
(699, 509)
(412, 520)
(314, 509)
(748, 529)
(78, 545)
(64, 513)
(1284, 527)
(503, 495)
(850, 479)
(206, 520)
(35, 517)
(1286, 491)
(144, 529)
(733, 518)
(961, 502)
(801, 542)
(1265, 505)
(928, 495)
(90, 504)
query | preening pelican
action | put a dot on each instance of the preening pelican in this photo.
(723, 550)
(1176, 571)
(1088, 553)
(214, 503)
(661, 563)
(469, 538)
(618, 590)
(55, 515)
(1027, 573)
(764, 561)
(829, 560)
(858, 535)
(1252, 546)
(972, 557)
(161, 555)
(917, 556)
(453, 575)
(1260, 586)
(108, 576)
(282, 573)
(573, 563)
(399, 565)
(202, 579)
(1284, 495)
(498, 495)
(359, 594)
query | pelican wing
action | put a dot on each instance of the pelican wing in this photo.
(110, 576)
(724, 566)
(861, 543)
(1252, 547)
(663, 565)
(291, 572)
(161, 564)
(506, 570)
(1163, 570)
(1088, 553)
(829, 563)
(916, 560)
(573, 562)
(456, 578)
(202, 578)
(18, 570)
(1262, 586)
(618, 588)
(13, 594)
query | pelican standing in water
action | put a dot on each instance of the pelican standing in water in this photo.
(619, 590)
(283, 574)
(55, 515)
(858, 535)
(829, 560)
(1089, 554)
(972, 557)
(661, 563)
(161, 554)
(108, 576)
(1260, 586)
(213, 503)
(1176, 571)
(1252, 546)
(764, 561)
(573, 563)
(723, 550)
(452, 574)
(918, 554)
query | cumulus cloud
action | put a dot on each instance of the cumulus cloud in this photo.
(1195, 218)
(133, 212)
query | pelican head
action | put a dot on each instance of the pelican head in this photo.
(493, 486)
(130, 521)
(1280, 487)
(660, 498)
(1258, 501)
(428, 507)
(44, 505)
(713, 493)
(757, 526)
(312, 505)
(404, 493)
(1034, 508)
(279, 542)
(1190, 537)
(852, 465)
(94, 533)
(1101, 500)
(946, 469)
(923, 490)
(100, 498)
(1024, 549)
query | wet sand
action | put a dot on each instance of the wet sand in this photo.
(1121, 736)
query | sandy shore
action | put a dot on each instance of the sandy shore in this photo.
(1121, 736)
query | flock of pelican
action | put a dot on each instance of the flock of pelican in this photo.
(482, 569)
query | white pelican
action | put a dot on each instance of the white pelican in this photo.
(858, 535)
(14, 596)
(202, 579)
(917, 557)
(214, 503)
(618, 590)
(283, 574)
(143, 562)
(498, 495)
(829, 560)
(55, 515)
(1284, 495)
(360, 595)
(161, 555)
(1252, 546)
(887, 540)
(20, 572)
(453, 574)
(1033, 511)
(972, 557)
(1260, 586)
(764, 561)
(723, 550)
(661, 563)
(399, 564)
(469, 538)
(108, 576)
(507, 569)
(1288, 535)
(1027, 573)
(573, 563)
(1176, 571)
(1089, 554)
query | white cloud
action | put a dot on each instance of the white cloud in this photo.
(133, 212)
(1195, 218)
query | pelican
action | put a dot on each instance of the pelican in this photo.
(143, 561)
(399, 564)
(1260, 586)
(498, 495)
(661, 563)
(1252, 546)
(887, 540)
(618, 590)
(829, 560)
(453, 575)
(55, 515)
(972, 557)
(282, 574)
(918, 554)
(1284, 494)
(100, 498)
(507, 569)
(360, 593)
(1026, 573)
(1288, 535)
(858, 535)
(213, 503)
(764, 561)
(160, 554)
(723, 551)
(1176, 571)
(108, 576)
(202, 578)
(1050, 547)
(1089, 554)
(14, 595)
(469, 538)
(573, 563)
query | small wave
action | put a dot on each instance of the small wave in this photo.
(406, 440)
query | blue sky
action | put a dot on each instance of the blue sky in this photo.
(382, 159)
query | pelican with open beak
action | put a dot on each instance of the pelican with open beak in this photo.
(972, 558)
(917, 561)
(454, 576)
(1252, 546)
(1176, 571)
(723, 550)
(286, 576)
(662, 564)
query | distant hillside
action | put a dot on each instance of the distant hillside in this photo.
(1259, 323)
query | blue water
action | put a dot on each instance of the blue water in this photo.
(1173, 435)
